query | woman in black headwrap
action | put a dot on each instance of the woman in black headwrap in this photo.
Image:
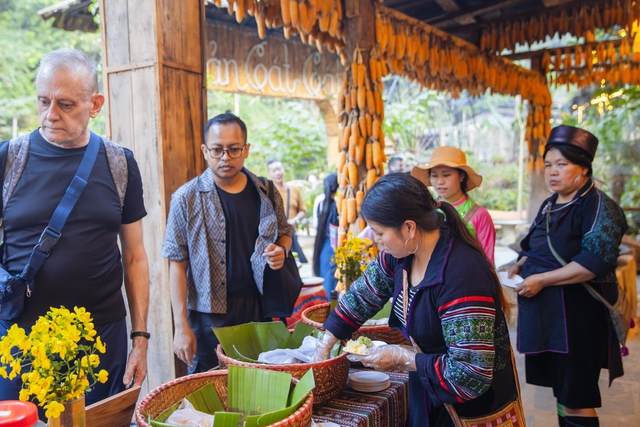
(562, 329)
(327, 237)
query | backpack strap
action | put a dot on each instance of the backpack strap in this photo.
(4, 151)
(17, 154)
(117, 160)
(288, 200)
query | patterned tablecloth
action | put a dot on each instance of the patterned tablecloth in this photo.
(386, 408)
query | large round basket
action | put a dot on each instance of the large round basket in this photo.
(330, 375)
(163, 397)
(316, 315)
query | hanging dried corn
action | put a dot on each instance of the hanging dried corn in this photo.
(360, 118)
(578, 19)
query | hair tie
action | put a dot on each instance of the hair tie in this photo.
(437, 204)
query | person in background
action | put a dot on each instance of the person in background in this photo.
(327, 236)
(563, 330)
(225, 240)
(294, 206)
(448, 173)
(447, 299)
(87, 266)
(396, 164)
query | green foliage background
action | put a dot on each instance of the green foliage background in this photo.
(24, 37)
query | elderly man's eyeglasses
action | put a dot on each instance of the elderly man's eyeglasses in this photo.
(218, 153)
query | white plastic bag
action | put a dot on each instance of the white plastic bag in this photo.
(186, 415)
(286, 356)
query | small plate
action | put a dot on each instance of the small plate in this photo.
(369, 377)
(509, 282)
(327, 424)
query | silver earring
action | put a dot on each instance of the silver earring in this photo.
(575, 181)
(415, 250)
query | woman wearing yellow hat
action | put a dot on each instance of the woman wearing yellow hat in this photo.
(451, 177)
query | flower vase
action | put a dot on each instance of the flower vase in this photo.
(347, 284)
(72, 416)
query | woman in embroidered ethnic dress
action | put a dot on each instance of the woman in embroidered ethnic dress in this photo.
(562, 329)
(452, 178)
(453, 309)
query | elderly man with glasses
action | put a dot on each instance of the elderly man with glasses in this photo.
(224, 237)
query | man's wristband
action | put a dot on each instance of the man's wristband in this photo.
(284, 249)
(144, 334)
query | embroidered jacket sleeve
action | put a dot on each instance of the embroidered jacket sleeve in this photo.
(603, 226)
(485, 231)
(366, 296)
(465, 371)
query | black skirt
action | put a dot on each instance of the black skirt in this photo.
(574, 376)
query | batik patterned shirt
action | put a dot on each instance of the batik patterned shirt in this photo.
(196, 231)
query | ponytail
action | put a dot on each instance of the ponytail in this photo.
(461, 231)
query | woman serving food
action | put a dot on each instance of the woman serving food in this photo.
(453, 315)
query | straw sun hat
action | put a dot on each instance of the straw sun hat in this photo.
(451, 157)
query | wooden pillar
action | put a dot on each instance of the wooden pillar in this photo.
(360, 16)
(539, 191)
(329, 112)
(155, 90)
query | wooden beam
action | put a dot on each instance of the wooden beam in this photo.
(470, 12)
(557, 9)
(448, 6)
(551, 3)
(540, 53)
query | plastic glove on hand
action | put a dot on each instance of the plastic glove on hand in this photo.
(390, 358)
(326, 340)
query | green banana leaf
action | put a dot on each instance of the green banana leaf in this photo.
(300, 332)
(226, 419)
(163, 417)
(384, 312)
(241, 357)
(296, 399)
(246, 342)
(257, 391)
(251, 339)
(154, 423)
(206, 400)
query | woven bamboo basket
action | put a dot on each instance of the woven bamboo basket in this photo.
(156, 402)
(330, 375)
(316, 315)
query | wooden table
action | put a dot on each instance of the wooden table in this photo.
(386, 408)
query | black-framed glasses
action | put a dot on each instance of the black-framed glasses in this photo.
(233, 153)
